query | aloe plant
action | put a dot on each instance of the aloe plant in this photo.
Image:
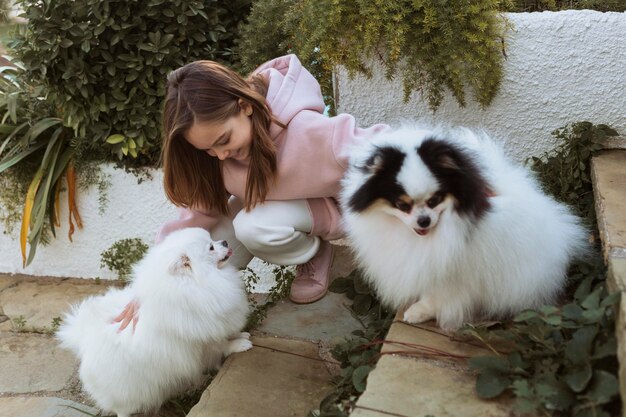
(28, 128)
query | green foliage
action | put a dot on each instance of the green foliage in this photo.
(31, 136)
(560, 359)
(358, 353)
(434, 45)
(268, 33)
(103, 64)
(540, 5)
(283, 275)
(566, 172)
(365, 305)
(5, 8)
(19, 323)
(122, 255)
(88, 83)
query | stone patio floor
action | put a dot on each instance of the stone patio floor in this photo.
(287, 373)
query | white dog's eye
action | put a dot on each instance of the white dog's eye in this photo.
(211, 247)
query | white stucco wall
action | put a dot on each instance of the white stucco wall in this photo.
(134, 210)
(562, 67)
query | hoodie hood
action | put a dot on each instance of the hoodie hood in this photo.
(291, 89)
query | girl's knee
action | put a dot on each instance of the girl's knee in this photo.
(258, 236)
(247, 230)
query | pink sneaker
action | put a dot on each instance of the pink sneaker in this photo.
(311, 282)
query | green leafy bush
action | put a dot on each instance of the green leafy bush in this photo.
(103, 64)
(90, 74)
(434, 45)
(268, 34)
(122, 255)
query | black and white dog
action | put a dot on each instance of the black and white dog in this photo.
(446, 227)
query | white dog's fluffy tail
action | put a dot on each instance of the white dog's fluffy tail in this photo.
(81, 323)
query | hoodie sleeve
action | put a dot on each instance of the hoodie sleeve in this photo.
(187, 218)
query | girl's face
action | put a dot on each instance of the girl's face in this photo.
(229, 139)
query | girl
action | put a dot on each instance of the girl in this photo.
(257, 163)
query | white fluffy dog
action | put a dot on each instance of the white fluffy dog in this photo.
(191, 310)
(446, 227)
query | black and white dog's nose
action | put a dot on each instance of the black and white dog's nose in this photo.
(423, 221)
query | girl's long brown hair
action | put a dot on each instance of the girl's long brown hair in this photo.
(205, 91)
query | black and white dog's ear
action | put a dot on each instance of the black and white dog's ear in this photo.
(374, 163)
(181, 266)
(448, 160)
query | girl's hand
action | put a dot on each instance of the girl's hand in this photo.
(127, 315)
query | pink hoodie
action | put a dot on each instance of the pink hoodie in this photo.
(312, 151)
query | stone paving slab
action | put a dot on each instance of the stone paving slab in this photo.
(33, 362)
(38, 301)
(42, 407)
(427, 335)
(276, 378)
(8, 280)
(608, 174)
(408, 387)
(325, 320)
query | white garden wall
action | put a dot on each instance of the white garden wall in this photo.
(562, 67)
(133, 210)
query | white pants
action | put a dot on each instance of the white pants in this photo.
(275, 231)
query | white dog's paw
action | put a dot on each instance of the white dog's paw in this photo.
(239, 345)
(419, 313)
(243, 335)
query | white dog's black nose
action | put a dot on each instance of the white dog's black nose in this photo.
(423, 221)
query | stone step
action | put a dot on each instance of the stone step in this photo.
(277, 377)
(608, 172)
(423, 371)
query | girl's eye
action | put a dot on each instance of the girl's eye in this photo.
(435, 200)
(403, 206)
(211, 247)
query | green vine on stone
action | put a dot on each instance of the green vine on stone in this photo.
(359, 352)
(283, 276)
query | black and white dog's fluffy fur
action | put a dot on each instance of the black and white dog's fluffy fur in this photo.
(446, 227)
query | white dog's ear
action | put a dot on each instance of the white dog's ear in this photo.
(182, 266)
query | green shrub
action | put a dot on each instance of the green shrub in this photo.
(268, 34)
(103, 64)
(434, 45)
(122, 255)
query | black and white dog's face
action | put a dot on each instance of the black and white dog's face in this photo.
(416, 176)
